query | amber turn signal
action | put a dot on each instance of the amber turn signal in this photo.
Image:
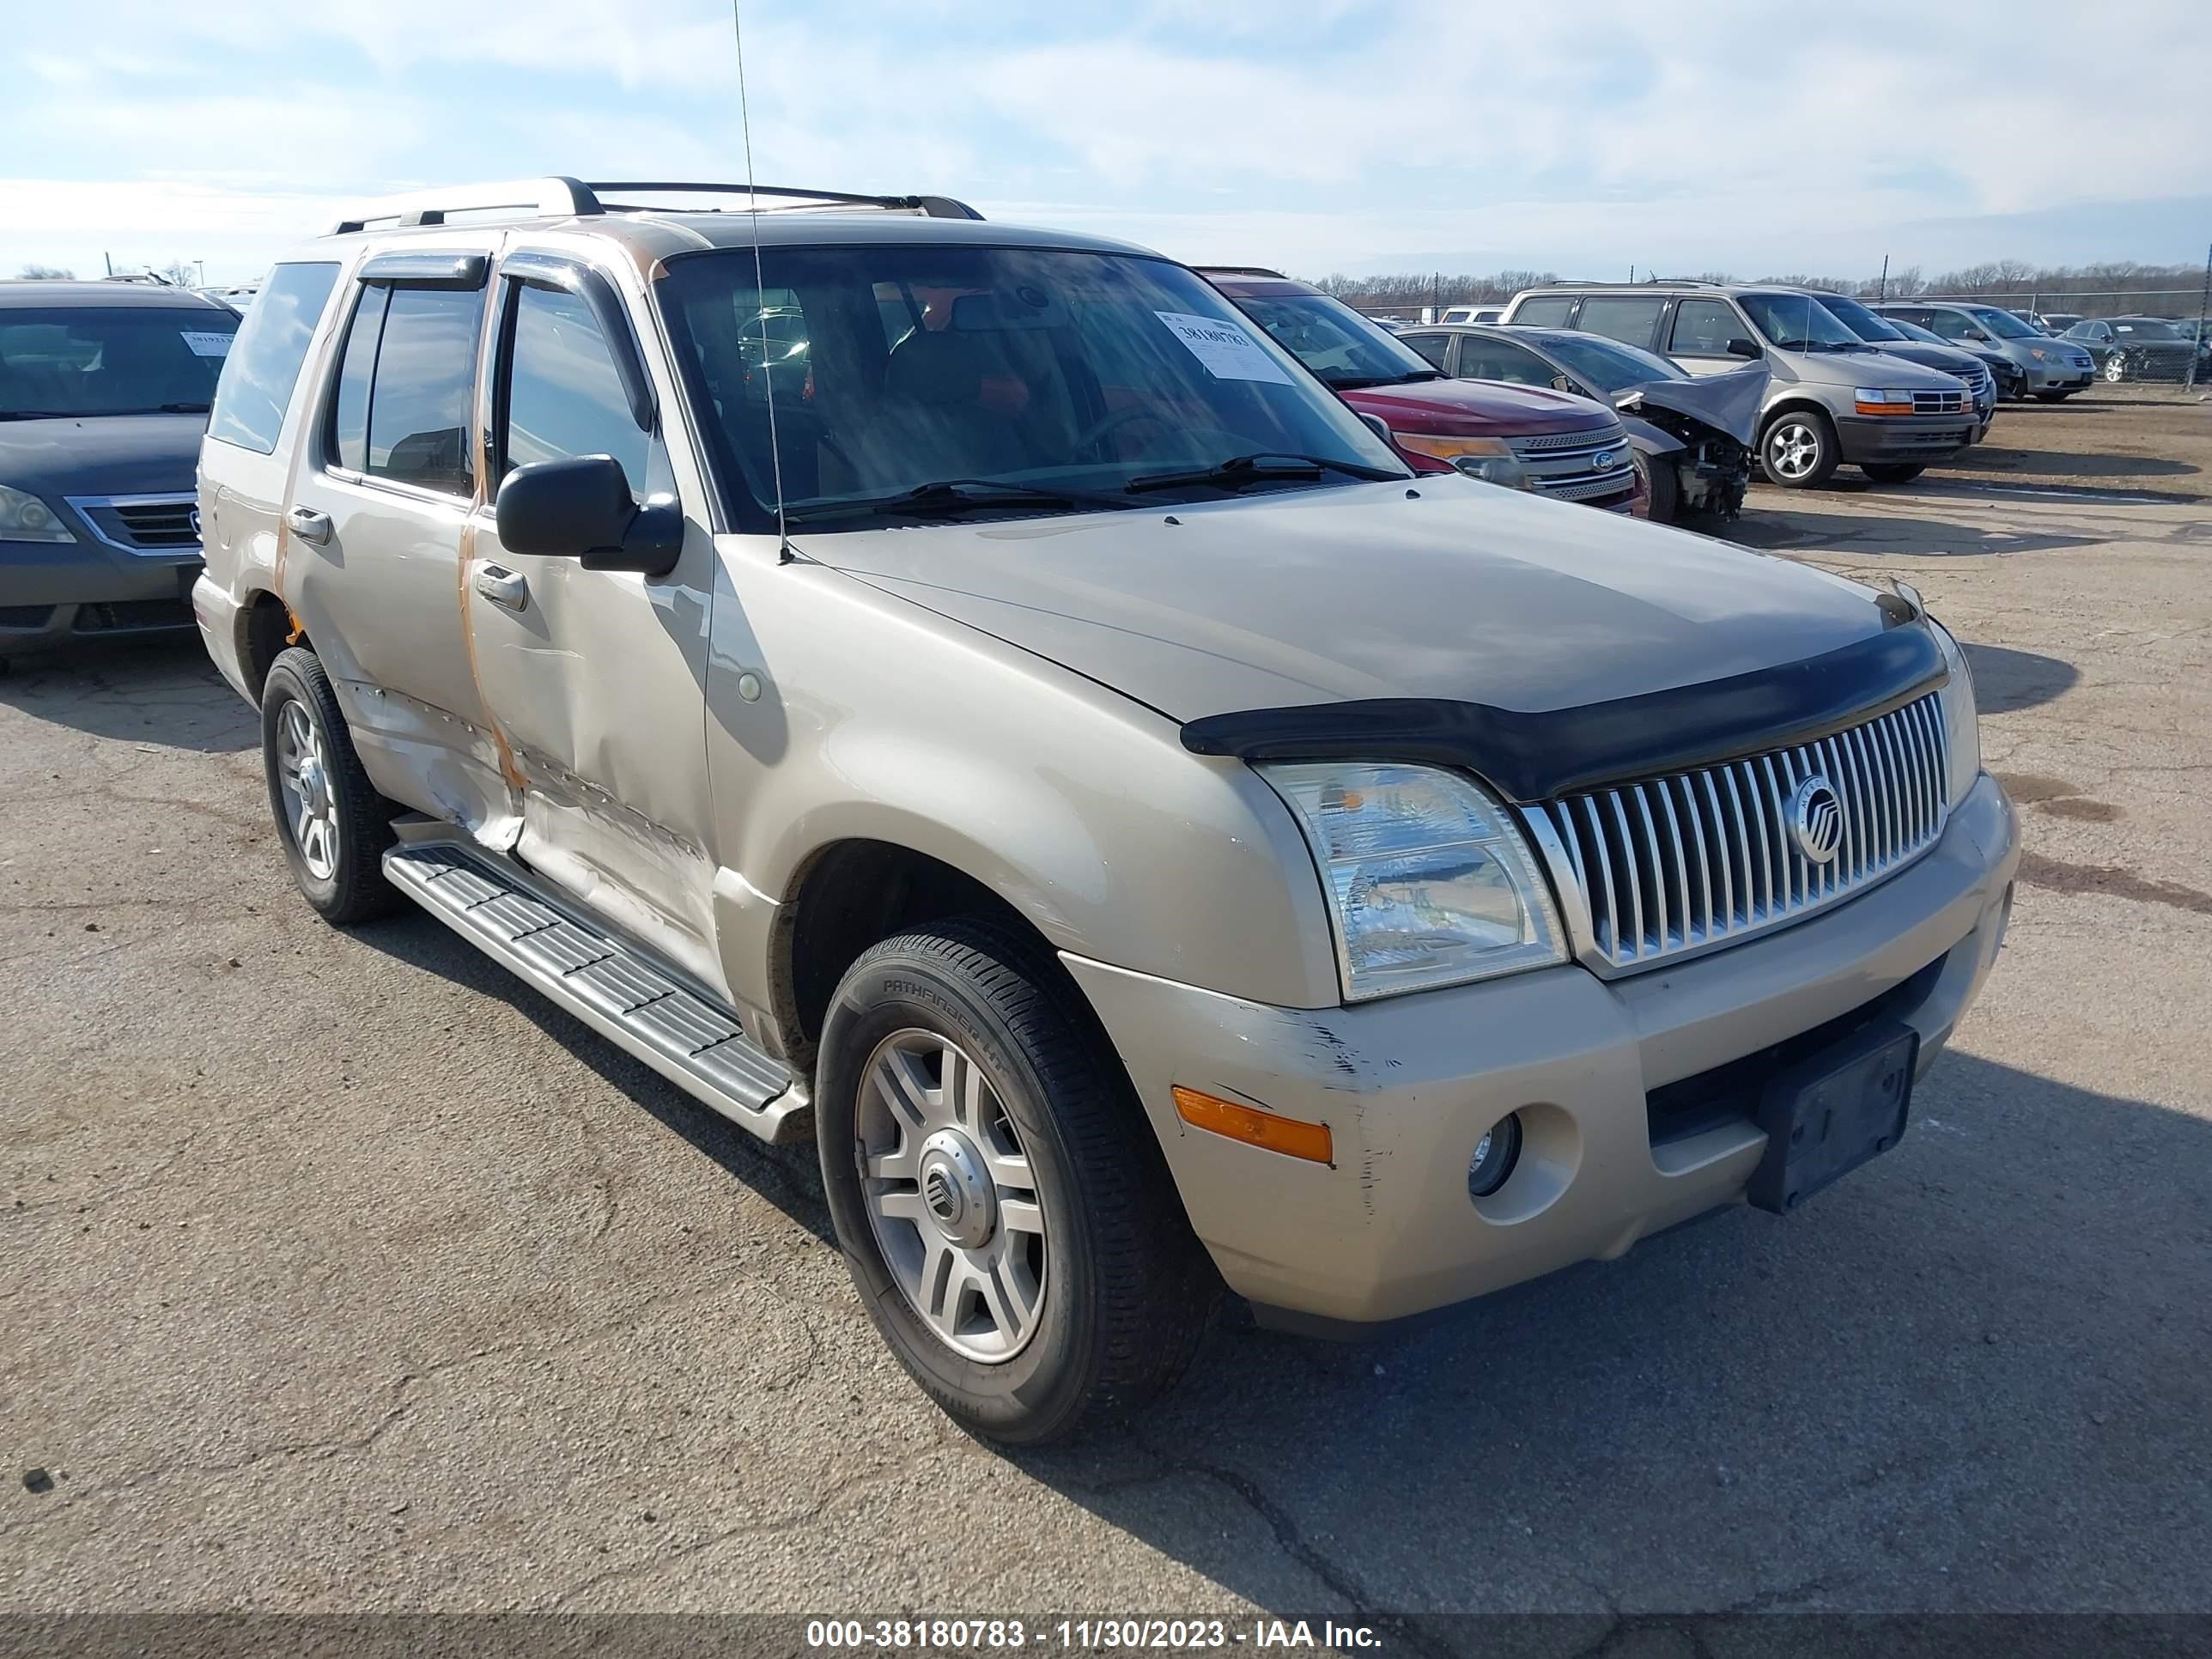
(1290, 1136)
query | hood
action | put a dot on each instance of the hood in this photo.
(1866, 368)
(1948, 358)
(1456, 590)
(1477, 408)
(1730, 402)
(102, 454)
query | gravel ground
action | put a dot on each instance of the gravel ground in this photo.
(343, 1273)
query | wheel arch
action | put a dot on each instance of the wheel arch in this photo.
(264, 626)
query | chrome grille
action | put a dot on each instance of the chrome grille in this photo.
(154, 524)
(1679, 864)
(1579, 466)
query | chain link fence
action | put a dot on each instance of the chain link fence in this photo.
(2138, 337)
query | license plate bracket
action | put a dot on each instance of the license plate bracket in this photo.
(1831, 1112)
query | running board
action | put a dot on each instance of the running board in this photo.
(619, 991)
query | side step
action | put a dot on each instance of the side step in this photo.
(620, 992)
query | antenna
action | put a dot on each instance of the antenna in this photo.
(760, 284)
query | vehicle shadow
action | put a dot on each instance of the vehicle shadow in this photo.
(788, 1176)
(162, 691)
(1798, 529)
(2005, 679)
(1995, 459)
(1874, 1404)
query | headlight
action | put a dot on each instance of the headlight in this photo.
(2038, 353)
(1883, 400)
(1431, 881)
(1490, 459)
(1962, 728)
(25, 517)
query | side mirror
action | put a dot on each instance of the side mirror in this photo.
(1975, 334)
(1562, 383)
(1379, 426)
(1741, 347)
(582, 509)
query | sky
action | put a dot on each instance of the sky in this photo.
(1316, 135)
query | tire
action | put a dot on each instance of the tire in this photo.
(1893, 471)
(2115, 369)
(1797, 450)
(1121, 1291)
(1662, 486)
(348, 824)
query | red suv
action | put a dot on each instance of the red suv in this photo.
(1523, 437)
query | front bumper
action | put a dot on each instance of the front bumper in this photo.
(2058, 376)
(53, 593)
(1408, 1084)
(1918, 440)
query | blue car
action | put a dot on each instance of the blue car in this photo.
(104, 393)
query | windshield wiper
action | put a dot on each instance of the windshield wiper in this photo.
(952, 495)
(1362, 382)
(1264, 466)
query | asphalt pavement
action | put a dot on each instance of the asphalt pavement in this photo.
(338, 1272)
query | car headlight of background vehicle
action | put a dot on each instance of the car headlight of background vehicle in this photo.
(1431, 880)
(2038, 353)
(25, 517)
(1882, 400)
(1962, 728)
(1490, 459)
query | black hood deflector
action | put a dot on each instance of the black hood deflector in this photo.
(1532, 757)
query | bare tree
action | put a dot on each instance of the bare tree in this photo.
(44, 274)
(179, 271)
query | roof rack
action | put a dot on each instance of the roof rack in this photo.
(558, 196)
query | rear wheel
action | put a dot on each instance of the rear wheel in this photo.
(333, 824)
(2116, 369)
(1798, 449)
(1000, 1201)
(1892, 472)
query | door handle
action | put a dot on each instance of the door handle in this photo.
(503, 587)
(308, 524)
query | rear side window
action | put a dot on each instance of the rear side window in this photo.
(263, 365)
(1544, 311)
(1431, 346)
(1483, 357)
(405, 386)
(564, 396)
(1620, 317)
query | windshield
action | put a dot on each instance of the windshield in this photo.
(1043, 373)
(2003, 324)
(109, 360)
(1796, 322)
(1914, 331)
(1335, 341)
(1857, 318)
(1609, 366)
(2148, 330)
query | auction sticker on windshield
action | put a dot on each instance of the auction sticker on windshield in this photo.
(207, 345)
(1228, 352)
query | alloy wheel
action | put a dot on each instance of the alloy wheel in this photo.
(303, 777)
(950, 1195)
(1793, 448)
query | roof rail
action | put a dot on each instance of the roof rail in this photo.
(558, 196)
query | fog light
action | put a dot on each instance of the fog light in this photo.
(1495, 1155)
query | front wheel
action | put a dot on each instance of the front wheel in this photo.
(333, 824)
(1002, 1206)
(1662, 489)
(1798, 449)
(1892, 472)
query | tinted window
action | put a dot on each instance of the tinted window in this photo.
(1629, 320)
(419, 402)
(1058, 370)
(1431, 346)
(110, 359)
(1332, 340)
(264, 364)
(1857, 318)
(350, 408)
(1796, 322)
(564, 396)
(1608, 365)
(1485, 357)
(1543, 311)
(1703, 328)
